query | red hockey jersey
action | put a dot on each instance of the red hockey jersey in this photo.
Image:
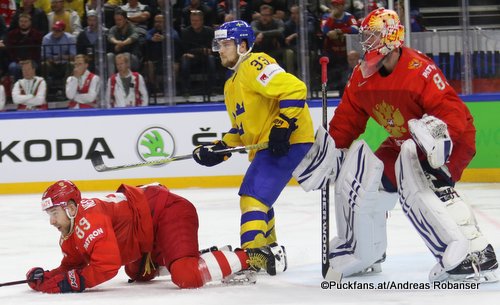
(415, 87)
(108, 232)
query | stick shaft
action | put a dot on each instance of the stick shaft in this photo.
(325, 191)
(13, 283)
(98, 162)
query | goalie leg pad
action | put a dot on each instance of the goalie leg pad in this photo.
(443, 220)
(361, 211)
(321, 163)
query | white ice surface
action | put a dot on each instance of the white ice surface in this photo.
(27, 240)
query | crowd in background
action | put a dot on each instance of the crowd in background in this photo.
(47, 35)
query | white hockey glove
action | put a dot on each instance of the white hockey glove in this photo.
(431, 134)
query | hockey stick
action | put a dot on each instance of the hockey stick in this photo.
(98, 162)
(327, 272)
(13, 283)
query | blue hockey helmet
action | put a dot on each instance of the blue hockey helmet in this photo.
(237, 30)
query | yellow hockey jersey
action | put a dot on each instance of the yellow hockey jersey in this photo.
(258, 92)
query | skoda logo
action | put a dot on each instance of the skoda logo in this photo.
(155, 143)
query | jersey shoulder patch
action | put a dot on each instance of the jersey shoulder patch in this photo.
(268, 73)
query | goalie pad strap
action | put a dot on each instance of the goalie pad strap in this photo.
(360, 209)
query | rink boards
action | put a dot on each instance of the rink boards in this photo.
(37, 148)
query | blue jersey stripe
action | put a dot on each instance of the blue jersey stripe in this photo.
(250, 236)
(292, 103)
(253, 215)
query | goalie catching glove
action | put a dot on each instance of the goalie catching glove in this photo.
(279, 137)
(431, 135)
(207, 155)
(43, 281)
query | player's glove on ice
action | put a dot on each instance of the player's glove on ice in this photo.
(279, 138)
(44, 281)
(205, 154)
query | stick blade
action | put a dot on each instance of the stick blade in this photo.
(332, 275)
(97, 161)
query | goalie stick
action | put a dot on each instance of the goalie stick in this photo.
(13, 283)
(98, 162)
(327, 272)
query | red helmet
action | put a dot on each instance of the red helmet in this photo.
(60, 193)
(338, 2)
(381, 32)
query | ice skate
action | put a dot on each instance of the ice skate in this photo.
(479, 266)
(271, 258)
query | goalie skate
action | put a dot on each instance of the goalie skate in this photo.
(271, 258)
(375, 268)
(243, 277)
(479, 266)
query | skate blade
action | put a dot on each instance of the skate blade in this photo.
(483, 277)
(375, 268)
(244, 277)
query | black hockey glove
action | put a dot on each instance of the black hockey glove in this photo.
(205, 155)
(279, 138)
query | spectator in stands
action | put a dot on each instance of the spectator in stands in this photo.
(155, 40)
(196, 42)
(291, 40)
(126, 88)
(353, 58)
(69, 17)
(58, 51)
(224, 8)
(320, 8)
(269, 34)
(197, 5)
(108, 7)
(279, 8)
(2, 98)
(177, 17)
(29, 93)
(92, 4)
(75, 5)
(3, 34)
(44, 5)
(138, 14)
(7, 10)
(22, 42)
(39, 19)
(123, 38)
(82, 88)
(334, 28)
(417, 22)
(86, 41)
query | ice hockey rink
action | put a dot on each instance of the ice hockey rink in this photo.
(27, 240)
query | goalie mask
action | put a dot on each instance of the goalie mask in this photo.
(381, 32)
(59, 194)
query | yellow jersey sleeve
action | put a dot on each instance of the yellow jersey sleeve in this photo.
(258, 92)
